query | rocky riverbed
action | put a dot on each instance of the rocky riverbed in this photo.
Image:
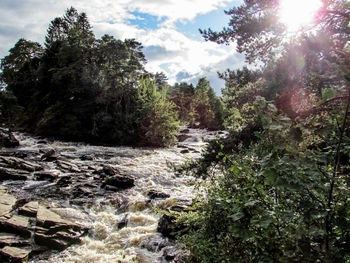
(73, 202)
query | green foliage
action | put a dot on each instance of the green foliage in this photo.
(271, 202)
(198, 107)
(159, 124)
(277, 188)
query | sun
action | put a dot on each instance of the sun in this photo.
(298, 13)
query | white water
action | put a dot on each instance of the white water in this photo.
(105, 242)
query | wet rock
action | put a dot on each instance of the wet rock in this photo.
(7, 139)
(185, 131)
(13, 174)
(185, 151)
(49, 156)
(124, 222)
(82, 191)
(87, 157)
(9, 239)
(14, 254)
(64, 180)
(29, 209)
(155, 244)
(18, 163)
(183, 137)
(68, 166)
(167, 225)
(42, 142)
(18, 225)
(56, 232)
(153, 194)
(46, 175)
(119, 201)
(176, 254)
(120, 181)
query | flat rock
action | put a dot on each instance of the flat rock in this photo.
(18, 225)
(47, 218)
(29, 209)
(46, 175)
(9, 239)
(19, 163)
(7, 203)
(13, 174)
(14, 254)
(68, 166)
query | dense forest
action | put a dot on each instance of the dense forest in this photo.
(276, 189)
(77, 87)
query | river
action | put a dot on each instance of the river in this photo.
(123, 224)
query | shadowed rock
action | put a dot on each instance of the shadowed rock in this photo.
(14, 254)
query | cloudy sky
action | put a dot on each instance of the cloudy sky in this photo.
(168, 30)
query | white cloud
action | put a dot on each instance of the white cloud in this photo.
(164, 45)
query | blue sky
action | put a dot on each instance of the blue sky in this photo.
(168, 30)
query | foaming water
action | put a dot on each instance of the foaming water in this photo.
(124, 231)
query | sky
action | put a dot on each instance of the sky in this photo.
(168, 30)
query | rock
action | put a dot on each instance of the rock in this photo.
(152, 194)
(120, 181)
(87, 157)
(7, 239)
(124, 222)
(176, 254)
(49, 156)
(185, 151)
(56, 232)
(45, 175)
(167, 227)
(18, 225)
(166, 224)
(82, 191)
(155, 244)
(68, 166)
(7, 204)
(183, 137)
(64, 180)
(185, 131)
(13, 174)
(42, 142)
(7, 139)
(14, 254)
(47, 219)
(29, 209)
(18, 163)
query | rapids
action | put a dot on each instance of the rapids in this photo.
(123, 224)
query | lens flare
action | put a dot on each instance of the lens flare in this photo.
(298, 13)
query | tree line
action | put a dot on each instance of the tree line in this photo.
(77, 87)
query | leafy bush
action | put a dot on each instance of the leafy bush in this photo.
(283, 199)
